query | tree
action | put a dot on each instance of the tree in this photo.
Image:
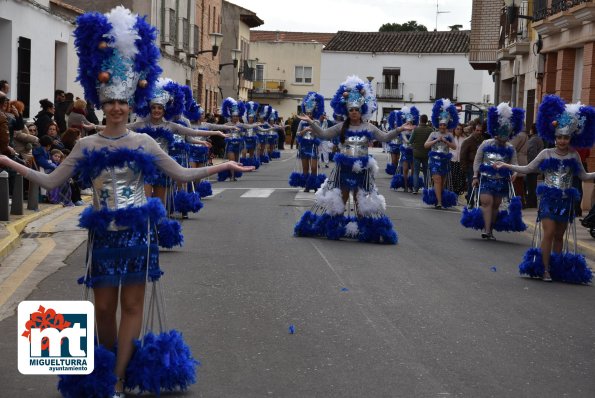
(404, 27)
(455, 27)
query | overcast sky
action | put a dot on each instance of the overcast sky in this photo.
(351, 15)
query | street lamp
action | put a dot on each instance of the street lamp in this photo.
(235, 53)
(252, 63)
(216, 39)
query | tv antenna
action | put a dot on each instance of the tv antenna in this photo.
(438, 12)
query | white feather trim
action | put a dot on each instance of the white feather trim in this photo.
(573, 108)
(351, 229)
(370, 203)
(357, 166)
(405, 109)
(123, 32)
(445, 103)
(331, 200)
(373, 165)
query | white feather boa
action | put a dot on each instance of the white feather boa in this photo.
(370, 203)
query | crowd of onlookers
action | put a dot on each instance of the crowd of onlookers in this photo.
(44, 141)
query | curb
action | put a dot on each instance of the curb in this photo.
(16, 227)
(585, 248)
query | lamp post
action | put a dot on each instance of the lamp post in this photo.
(216, 39)
(235, 53)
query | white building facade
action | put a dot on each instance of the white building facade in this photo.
(407, 68)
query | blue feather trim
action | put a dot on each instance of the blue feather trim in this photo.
(161, 362)
(99, 384)
(175, 106)
(264, 158)
(204, 189)
(146, 61)
(187, 202)
(532, 263)
(550, 109)
(390, 169)
(169, 233)
(552, 193)
(253, 161)
(397, 182)
(297, 179)
(304, 141)
(452, 110)
(315, 181)
(392, 119)
(275, 155)
(224, 175)
(95, 161)
(513, 219)
(440, 155)
(505, 151)
(331, 227)
(134, 217)
(553, 164)
(571, 268)
(493, 172)
(376, 230)
(429, 196)
(349, 161)
(449, 198)
(472, 218)
(158, 133)
(586, 137)
(319, 104)
(306, 226)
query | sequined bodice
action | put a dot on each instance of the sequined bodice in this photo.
(235, 135)
(355, 146)
(560, 178)
(308, 136)
(441, 147)
(163, 144)
(405, 144)
(250, 133)
(118, 187)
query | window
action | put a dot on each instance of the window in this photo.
(445, 80)
(259, 72)
(391, 78)
(303, 74)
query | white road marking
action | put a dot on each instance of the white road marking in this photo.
(258, 193)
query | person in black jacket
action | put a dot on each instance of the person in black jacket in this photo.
(45, 116)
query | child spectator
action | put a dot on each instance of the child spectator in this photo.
(63, 193)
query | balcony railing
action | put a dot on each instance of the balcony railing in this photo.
(444, 90)
(389, 91)
(514, 28)
(542, 11)
(269, 86)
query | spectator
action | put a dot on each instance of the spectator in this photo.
(24, 141)
(534, 146)
(294, 127)
(52, 132)
(420, 154)
(520, 143)
(457, 174)
(5, 148)
(42, 154)
(468, 152)
(78, 117)
(70, 138)
(61, 108)
(61, 194)
(44, 117)
(4, 88)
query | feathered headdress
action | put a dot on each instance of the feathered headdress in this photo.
(504, 120)
(274, 115)
(313, 103)
(407, 114)
(355, 93)
(251, 109)
(392, 119)
(555, 117)
(231, 107)
(445, 112)
(168, 94)
(118, 59)
(265, 112)
(192, 110)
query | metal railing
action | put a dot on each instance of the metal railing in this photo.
(542, 11)
(444, 90)
(514, 27)
(389, 91)
(269, 86)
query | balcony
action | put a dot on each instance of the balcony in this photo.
(552, 16)
(514, 32)
(389, 91)
(444, 90)
(269, 88)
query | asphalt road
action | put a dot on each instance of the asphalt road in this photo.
(441, 314)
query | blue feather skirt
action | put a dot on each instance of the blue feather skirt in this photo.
(407, 154)
(439, 163)
(98, 384)
(233, 145)
(494, 186)
(449, 198)
(510, 220)
(204, 189)
(309, 181)
(394, 148)
(556, 204)
(390, 169)
(198, 153)
(308, 149)
(250, 142)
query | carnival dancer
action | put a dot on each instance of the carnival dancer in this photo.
(263, 115)
(353, 174)
(166, 103)
(402, 178)
(118, 66)
(492, 185)
(250, 151)
(326, 147)
(271, 129)
(392, 148)
(445, 116)
(567, 126)
(312, 106)
(233, 111)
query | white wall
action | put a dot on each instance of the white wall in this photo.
(418, 72)
(44, 30)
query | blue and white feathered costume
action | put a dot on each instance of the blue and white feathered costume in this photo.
(313, 104)
(503, 122)
(118, 60)
(273, 135)
(264, 114)
(197, 153)
(398, 118)
(235, 143)
(354, 173)
(556, 194)
(443, 112)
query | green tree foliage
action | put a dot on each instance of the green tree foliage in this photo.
(403, 27)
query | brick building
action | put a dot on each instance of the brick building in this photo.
(206, 82)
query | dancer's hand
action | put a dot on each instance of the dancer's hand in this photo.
(305, 118)
(221, 134)
(408, 126)
(475, 182)
(498, 165)
(4, 160)
(235, 166)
